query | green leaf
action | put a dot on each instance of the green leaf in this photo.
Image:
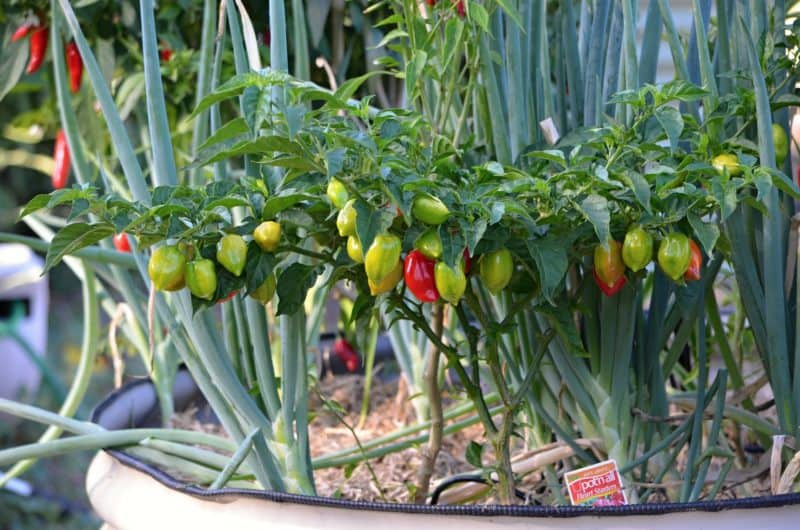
(369, 223)
(256, 106)
(474, 453)
(595, 209)
(671, 121)
(782, 182)
(785, 100)
(34, 205)
(682, 90)
(293, 285)
(230, 89)
(12, 61)
(479, 14)
(259, 266)
(706, 233)
(234, 128)
(553, 155)
(278, 203)
(452, 247)
(550, 255)
(640, 187)
(75, 237)
(334, 160)
(726, 197)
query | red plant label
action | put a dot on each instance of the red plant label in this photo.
(596, 485)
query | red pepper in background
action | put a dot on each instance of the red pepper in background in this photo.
(61, 156)
(21, 32)
(121, 242)
(345, 352)
(38, 48)
(609, 290)
(692, 274)
(74, 66)
(419, 276)
(467, 262)
(165, 54)
(461, 8)
(430, 2)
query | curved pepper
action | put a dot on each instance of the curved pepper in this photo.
(347, 354)
(121, 242)
(62, 161)
(429, 209)
(419, 276)
(382, 256)
(74, 66)
(39, 37)
(21, 32)
(609, 290)
(166, 268)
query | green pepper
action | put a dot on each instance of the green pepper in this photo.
(637, 249)
(496, 269)
(267, 235)
(337, 193)
(201, 278)
(450, 281)
(727, 162)
(608, 264)
(430, 244)
(166, 268)
(674, 255)
(346, 220)
(388, 282)
(232, 253)
(429, 209)
(382, 257)
(781, 143)
(266, 290)
(354, 249)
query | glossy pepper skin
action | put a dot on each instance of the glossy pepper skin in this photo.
(354, 249)
(62, 161)
(496, 269)
(74, 66)
(430, 244)
(674, 255)
(450, 281)
(609, 290)
(21, 32)
(268, 235)
(232, 253)
(419, 276)
(382, 256)
(608, 264)
(201, 278)
(347, 354)
(389, 281)
(166, 268)
(692, 273)
(266, 290)
(39, 37)
(727, 162)
(637, 248)
(121, 242)
(337, 193)
(429, 209)
(346, 220)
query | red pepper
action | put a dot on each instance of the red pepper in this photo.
(418, 273)
(121, 242)
(21, 32)
(461, 8)
(467, 262)
(609, 290)
(345, 352)
(61, 156)
(38, 48)
(75, 66)
(430, 2)
(692, 274)
(165, 54)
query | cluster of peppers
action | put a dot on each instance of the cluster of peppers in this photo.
(39, 35)
(678, 256)
(427, 277)
(173, 267)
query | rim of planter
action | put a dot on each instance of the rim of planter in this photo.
(135, 404)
